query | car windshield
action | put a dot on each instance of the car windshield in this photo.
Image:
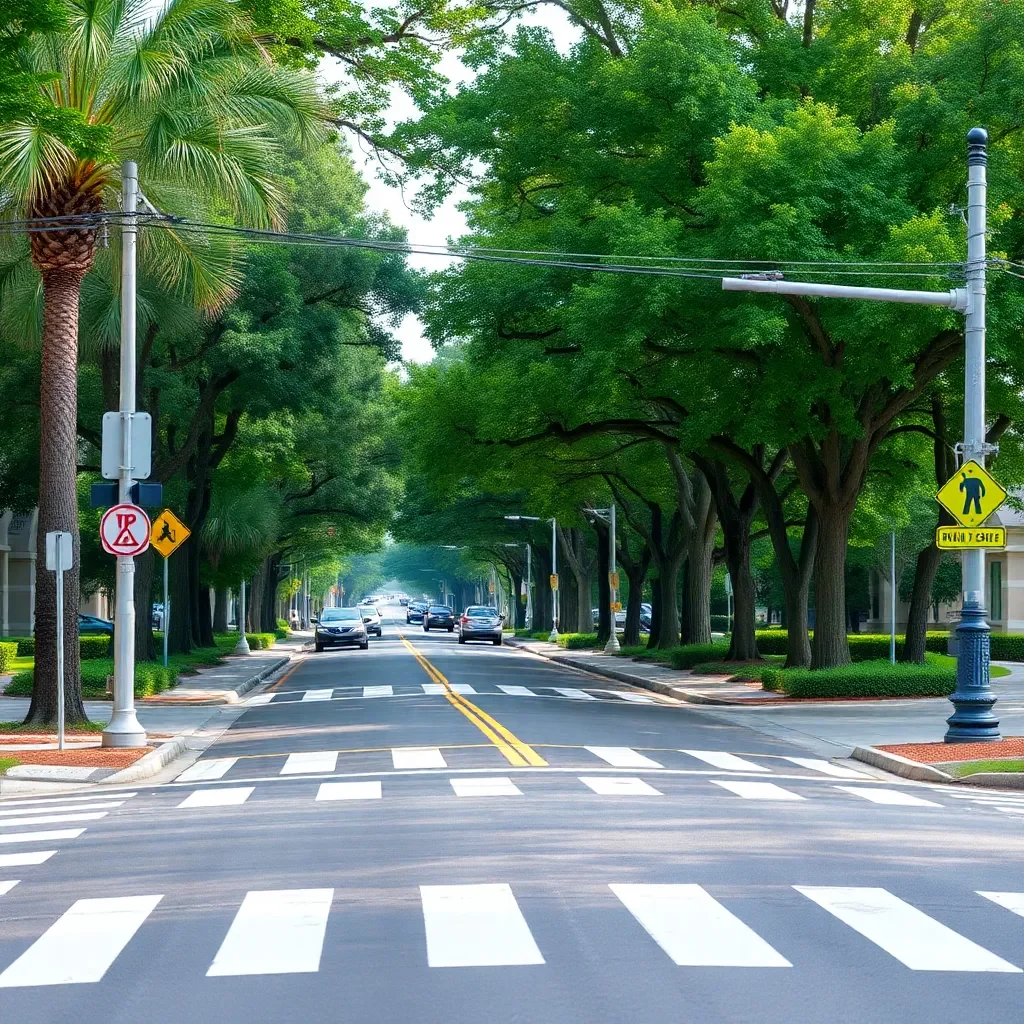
(481, 613)
(440, 609)
(339, 615)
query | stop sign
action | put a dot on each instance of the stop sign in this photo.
(124, 530)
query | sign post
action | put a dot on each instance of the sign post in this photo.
(169, 533)
(59, 557)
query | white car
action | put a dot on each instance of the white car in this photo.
(371, 619)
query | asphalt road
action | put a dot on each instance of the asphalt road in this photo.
(432, 833)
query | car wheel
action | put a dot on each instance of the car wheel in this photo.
(462, 639)
(365, 645)
(497, 642)
(319, 648)
(451, 629)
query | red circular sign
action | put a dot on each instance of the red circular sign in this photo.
(124, 530)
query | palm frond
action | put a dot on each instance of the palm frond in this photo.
(32, 160)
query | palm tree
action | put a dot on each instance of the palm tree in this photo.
(191, 97)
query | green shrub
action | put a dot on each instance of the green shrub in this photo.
(1006, 647)
(26, 645)
(771, 641)
(260, 641)
(577, 641)
(719, 623)
(8, 652)
(863, 679)
(694, 654)
(150, 678)
(91, 647)
(865, 646)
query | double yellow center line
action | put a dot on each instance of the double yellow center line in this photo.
(515, 751)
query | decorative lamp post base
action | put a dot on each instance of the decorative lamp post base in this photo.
(613, 646)
(973, 720)
(242, 647)
(553, 636)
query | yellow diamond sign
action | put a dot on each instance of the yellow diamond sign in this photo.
(970, 495)
(169, 533)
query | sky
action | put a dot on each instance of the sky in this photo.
(448, 221)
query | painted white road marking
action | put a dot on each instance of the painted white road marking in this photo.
(462, 688)
(55, 808)
(635, 698)
(485, 787)
(911, 936)
(623, 757)
(418, 757)
(52, 819)
(22, 860)
(348, 791)
(310, 761)
(616, 785)
(217, 797)
(516, 691)
(7, 886)
(275, 932)
(757, 790)
(476, 926)
(42, 837)
(837, 771)
(324, 694)
(213, 768)
(694, 929)
(569, 691)
(82, 944)
(378, 691)
(432, 689)
(58, 802)
(888, 796)
(1011, 900)
(261, 698)
(729, 762)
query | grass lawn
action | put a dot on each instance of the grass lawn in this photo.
(1006, 764)
(7, 762)
(22, 664)
(88, 727)
(994, 671)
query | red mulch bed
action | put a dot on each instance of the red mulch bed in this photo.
(90, 757)
(938, 753)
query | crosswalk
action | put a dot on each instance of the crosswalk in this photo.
(341, 693)
(490, 924)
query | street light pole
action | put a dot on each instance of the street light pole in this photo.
(612, 647)
(242, 647)
(973, 700)
(124, 729)
(553, 635)
(529, 590)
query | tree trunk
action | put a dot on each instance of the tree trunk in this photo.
(696, 611)
(742, 642)
(636, 572)
(830, 647)
(668, 622)
(577, 613)
(542, 588)
(220, 610)
(58, 499)
(656, 602)
(145, 566)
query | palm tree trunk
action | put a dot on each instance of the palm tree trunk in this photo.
(58, 498)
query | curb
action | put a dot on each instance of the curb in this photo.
(1001, 780)
(149, 764)
(231, 696)
(901, 766)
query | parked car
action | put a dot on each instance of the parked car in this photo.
(340, 626)
(414, 611)
(438, 616)
(645, 617)
(157, 616)
(92, 625)
(479, 622)
(371, 619)
(403, 601)
(620, 618)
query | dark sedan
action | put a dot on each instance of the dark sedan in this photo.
(438, 616)
(341, 626)
(414, 611)
(92, 625)
(480, 623)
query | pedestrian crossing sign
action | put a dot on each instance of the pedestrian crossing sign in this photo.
(169, 533)
(971, 494)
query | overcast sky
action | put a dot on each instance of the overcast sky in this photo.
(447, 222)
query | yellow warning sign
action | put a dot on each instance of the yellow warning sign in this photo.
(169, 533)
(952, 538)
(971, 494)
(554, 581)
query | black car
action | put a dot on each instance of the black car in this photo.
(438, 616)
(92, 625)
(414, 611)
(478, 622)
(340, 626)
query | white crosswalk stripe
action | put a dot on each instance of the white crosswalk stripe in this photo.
(569, 691)
(837, 771)
(432, 689)
(82, 944)
(22, 860)
(275, 932)
(418, 757)
(476, 926)
(623, 757)
(61, 801)
(462, 688)
(485, 787)
(895, 797)
(42, 837)
(310, 761)
(52, 819)
(694, 929)
(212, 768)
(261, 698)
(6, 887)
(1011, 900)
(911, 936)
(378, 691)
(218, 797)
(349, 791)
(616, 785)
(105, 805)
(757, 790)
(325, 694)
(728, 762)
(633, 698)
(516, 691)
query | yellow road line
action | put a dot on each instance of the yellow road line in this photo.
(515, 751)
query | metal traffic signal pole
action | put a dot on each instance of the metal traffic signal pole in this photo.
(973, 700)
(124, 729)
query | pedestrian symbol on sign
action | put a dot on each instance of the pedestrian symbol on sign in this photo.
(169, 533)
(974, 490)
(166, 533)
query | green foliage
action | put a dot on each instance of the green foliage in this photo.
(92, 647)
(863, 646)
(26, 645)
(1006, 647)
(964, 768)
(7, 762)
(719, 623)
(150, 678)
(8, 652)
(876, 679)
(256, 641)
(577, 641)
(687, 656)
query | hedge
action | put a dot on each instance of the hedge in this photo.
(863, 679)
(694, 654)
(150, 677)
(8, 652)
(871, 646)
(256, 641)
(719, 623)
(577, 641)
(26, 645)
(92, 647)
